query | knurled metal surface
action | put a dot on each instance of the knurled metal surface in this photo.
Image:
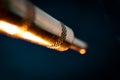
(61, 39)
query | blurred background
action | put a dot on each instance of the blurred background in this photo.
(94, 21)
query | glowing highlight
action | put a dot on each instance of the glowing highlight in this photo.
(82, 51)
(9, 28)
(21, 32)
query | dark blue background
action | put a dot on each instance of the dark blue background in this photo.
(94, 21)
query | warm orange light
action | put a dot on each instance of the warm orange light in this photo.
(34, 38)
(82, 51)
(9, 28)
(21, 32)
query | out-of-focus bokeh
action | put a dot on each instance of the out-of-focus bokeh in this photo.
(94, 21)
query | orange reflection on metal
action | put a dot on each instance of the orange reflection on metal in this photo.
(82, 51)
(34, 38)
(9, 28)
(21, 32)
